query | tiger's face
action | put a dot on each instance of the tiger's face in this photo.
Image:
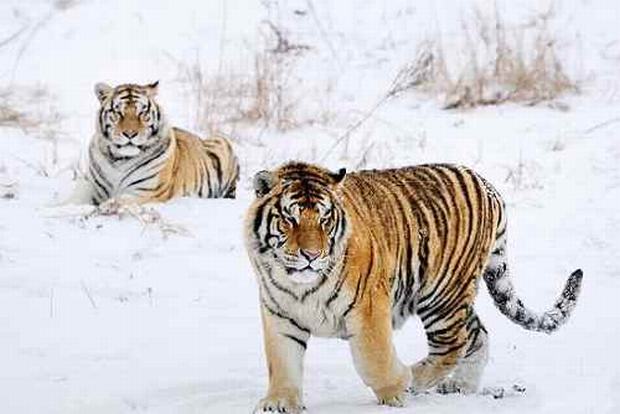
(129, 118)
(301, 225)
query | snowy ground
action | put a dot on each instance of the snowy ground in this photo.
(101, 314)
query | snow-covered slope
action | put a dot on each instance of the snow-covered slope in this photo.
(108, 314)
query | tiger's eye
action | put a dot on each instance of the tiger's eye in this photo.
(285, 224)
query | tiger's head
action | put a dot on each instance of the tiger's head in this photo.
(298, 224)
(129, 119)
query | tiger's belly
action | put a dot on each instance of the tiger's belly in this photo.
(404, 299)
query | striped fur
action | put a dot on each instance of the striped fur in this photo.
(135, 154)
(355, 256)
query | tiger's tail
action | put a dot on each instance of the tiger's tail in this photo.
(500, 287)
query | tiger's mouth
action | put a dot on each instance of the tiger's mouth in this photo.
(306, 273)
(128, 150)
(293, 269)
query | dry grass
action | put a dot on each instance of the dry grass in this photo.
(525, 175)
(500, 64)
(262, 95)
(30, 109)
(121, 209)
(147, 216)
(272, 104)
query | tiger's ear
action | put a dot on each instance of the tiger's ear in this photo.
(339, 176)
(263, 182)
(152, 89)
(103, 91)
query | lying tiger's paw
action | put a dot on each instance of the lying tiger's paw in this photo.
(279, 404)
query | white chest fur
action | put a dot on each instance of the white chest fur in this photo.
(312, 306)
(126, 177)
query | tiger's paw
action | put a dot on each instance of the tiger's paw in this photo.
(280, 404)
(452, 386)
(398, 400)
(394, 396)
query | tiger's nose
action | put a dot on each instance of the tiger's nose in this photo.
(130, 133)
(310, 254)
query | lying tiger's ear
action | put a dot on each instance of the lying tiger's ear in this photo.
(103, 91)
(263, 183)
(339, 176)
(152, 88)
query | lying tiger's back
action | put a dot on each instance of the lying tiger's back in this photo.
(436, 229)
(206, 168)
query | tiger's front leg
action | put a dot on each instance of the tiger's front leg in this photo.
(374, 354)
(285, 346)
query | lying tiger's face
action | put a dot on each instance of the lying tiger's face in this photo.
(300, 224)
(129, 118)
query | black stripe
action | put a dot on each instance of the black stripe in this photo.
(154, 156)
(359, 291)
(97, 180)
(280, 287)
(444, 314)
(447, 351)
(269, 294)
(215, 160)
(313, 289)
(299, 341)
(138, 181)
(336, 292)
(286, 318)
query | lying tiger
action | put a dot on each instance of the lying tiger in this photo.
(354, 255)
(136, 155)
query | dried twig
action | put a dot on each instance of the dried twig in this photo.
(88, 295)
(51, 302)
(323, 33)
(347, 133)
(601, 125)
(283, 44)
(12, 37)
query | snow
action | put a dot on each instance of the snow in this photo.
(106, 314)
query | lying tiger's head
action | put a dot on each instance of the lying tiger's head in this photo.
(299, 224)
(129, 118)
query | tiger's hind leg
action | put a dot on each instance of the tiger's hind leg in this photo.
(231, 192)
(466, 377)
(446, 332)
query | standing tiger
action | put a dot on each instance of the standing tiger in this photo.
(354, 255)
(136, 154)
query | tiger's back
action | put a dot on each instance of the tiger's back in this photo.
(202, 167)
(435, 222)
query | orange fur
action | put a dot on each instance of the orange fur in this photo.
(186, 166)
